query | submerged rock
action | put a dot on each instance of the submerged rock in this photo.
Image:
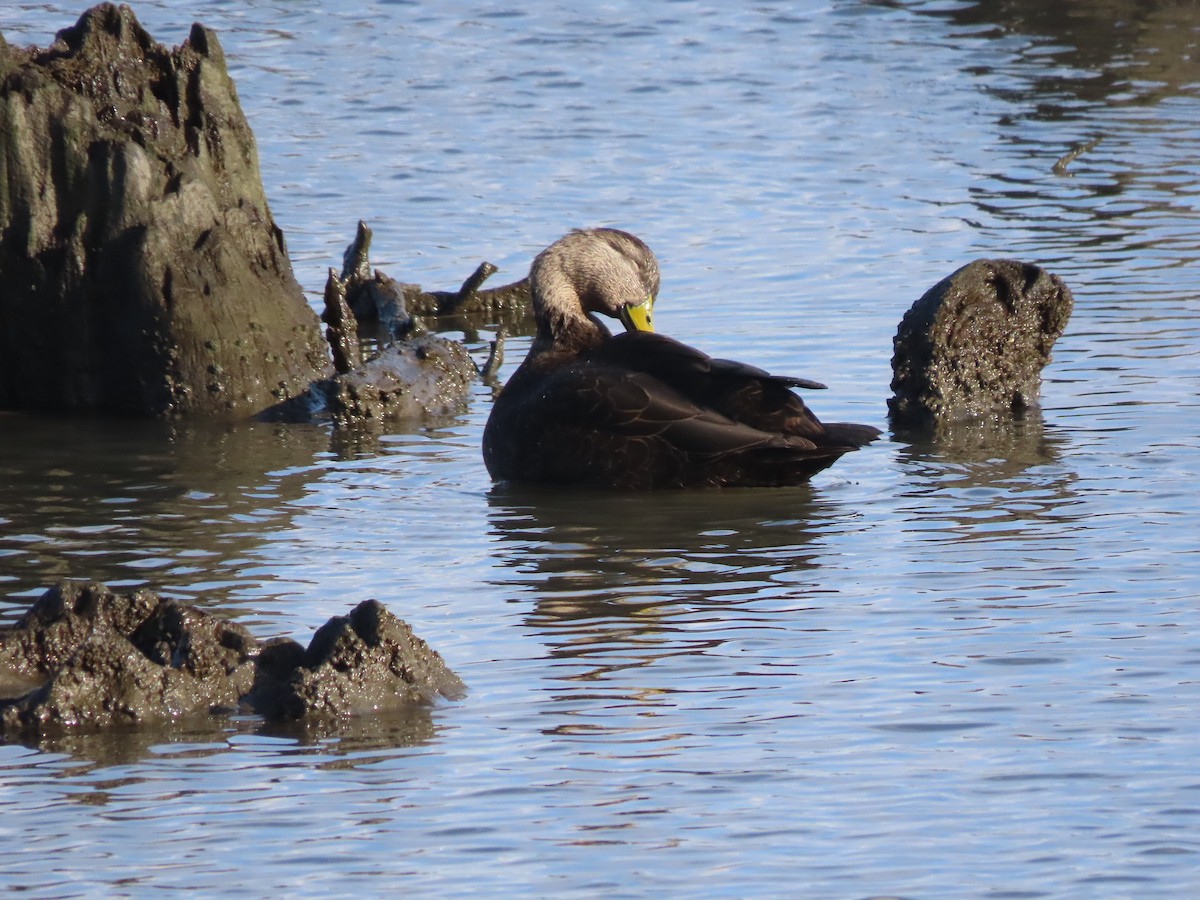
(84, 656)
(143, 272)
(973, 347)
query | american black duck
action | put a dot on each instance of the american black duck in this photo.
(641, 410)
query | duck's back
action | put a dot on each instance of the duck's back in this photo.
(644, 411)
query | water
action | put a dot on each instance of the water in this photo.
(965, 668)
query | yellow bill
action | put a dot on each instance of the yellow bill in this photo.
(638, 318)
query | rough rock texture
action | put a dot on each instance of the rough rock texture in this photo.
(83, 656)
(424, 376)
(140, 268)
(974, 345)
(341, 329)
(111, 660)
(62, 620)
(416, 377)
(368, 661)
(371, 296)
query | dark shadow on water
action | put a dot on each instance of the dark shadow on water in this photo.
(629, 594)
(362, 441)
(592, 553)
(998, 449)
(356, 736)
(95, 750)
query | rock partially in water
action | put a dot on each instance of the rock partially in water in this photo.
(341, 329)
(84, 656)
(414, 378)
(371, 296)
(143, 272)
(368, 661)
(973, 347)
(62, 620)
(108, 660)
(422, 377)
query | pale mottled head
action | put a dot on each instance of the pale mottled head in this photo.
(597, 270)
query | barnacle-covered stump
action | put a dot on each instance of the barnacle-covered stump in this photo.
(140, 269)
(973, 347)
(426, 375)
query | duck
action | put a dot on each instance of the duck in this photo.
(640, 410)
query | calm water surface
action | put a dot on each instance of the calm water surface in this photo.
(943, 669)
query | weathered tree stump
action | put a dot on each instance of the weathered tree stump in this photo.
(973, 347)
(140, 269)
(376, 297)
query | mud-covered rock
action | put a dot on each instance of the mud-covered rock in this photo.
(62, 620)
(420, 377)
(366, 662)
(974, 345)
(142, 270)
(415, 377)
(341, 329)
(103, 659)
(183, 637)
(84, 656)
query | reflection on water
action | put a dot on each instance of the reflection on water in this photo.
(1126, 51)
(697, 693)
(616, 582)
(990, 497)
(616, 551)
(978, 458)
(349, 743)
(143, 503)
(1004, 448)
(1118, 77)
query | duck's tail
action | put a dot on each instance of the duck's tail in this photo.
(847, 434)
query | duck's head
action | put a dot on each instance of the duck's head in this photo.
(595, 270)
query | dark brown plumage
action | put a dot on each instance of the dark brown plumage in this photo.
(641, 410)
